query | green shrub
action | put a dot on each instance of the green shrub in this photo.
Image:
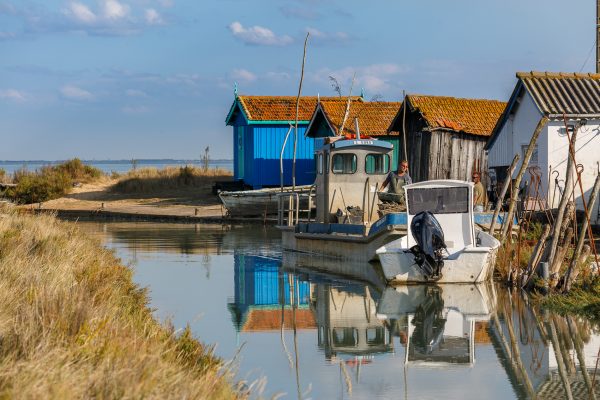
(50, 182)
(34, 187)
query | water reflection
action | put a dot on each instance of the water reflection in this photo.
(319, 335)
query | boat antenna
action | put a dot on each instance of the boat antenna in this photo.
(356, 128)
(297, 111)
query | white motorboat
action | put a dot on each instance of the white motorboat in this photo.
(442, 244)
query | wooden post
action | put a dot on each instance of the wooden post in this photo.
(563, 203)
(580, 242)
(515, 191)
(562, 249)
(536, 255)
(505, 186)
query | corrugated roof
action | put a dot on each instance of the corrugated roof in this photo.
(374, 117)
(280, 108)
(473, 116)
(563, 93)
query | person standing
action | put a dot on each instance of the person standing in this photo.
(478, 193)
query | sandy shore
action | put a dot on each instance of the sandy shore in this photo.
(96, 201)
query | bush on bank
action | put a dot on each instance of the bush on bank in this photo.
(74, 325)
(50, 182)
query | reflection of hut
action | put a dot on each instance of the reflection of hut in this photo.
(264, 295)
(347, 322)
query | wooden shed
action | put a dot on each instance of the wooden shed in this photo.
(374, 119)
(445, 136)
(260, 124)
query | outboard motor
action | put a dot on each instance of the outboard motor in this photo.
(429, 236)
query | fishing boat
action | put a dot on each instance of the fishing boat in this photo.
(350, 172)
(260, 202)
(443, 244)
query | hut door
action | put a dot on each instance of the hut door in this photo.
(240, 152)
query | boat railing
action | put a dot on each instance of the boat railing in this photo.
(289, 207)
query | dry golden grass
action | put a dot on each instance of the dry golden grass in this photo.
(73, 324)
(148, 180)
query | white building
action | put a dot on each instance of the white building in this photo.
(559, 96)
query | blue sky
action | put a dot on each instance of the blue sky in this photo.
(124, 79)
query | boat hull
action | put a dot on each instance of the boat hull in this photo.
(469, 265)
(261, 202)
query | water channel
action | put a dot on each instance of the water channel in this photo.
(298, 333)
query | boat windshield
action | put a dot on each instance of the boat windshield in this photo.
(448, 200)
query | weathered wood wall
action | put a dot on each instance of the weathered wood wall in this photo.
(442, 153)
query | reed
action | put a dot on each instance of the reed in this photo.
(74, 325)
(148, 180)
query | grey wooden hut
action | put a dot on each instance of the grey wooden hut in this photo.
(445, 136)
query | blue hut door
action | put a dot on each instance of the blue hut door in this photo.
(240, 152)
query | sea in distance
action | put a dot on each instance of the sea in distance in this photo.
(119, 166)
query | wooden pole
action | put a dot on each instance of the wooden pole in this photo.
(584, 228)
(505, 186)
(515, 191)
(536, 255)
(563, 203)
(297, 112)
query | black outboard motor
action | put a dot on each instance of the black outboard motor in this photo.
(429, 236)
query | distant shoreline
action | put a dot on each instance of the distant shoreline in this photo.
(119, 166)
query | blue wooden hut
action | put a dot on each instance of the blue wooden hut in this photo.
(260, 124)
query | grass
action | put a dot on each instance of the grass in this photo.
(583, 299)
(74, 325)
(50, 182)
(149, 180)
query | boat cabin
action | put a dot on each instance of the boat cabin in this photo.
(451, 202)
(349, 174)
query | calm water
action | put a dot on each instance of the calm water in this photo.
(302, 334)
(119, 166)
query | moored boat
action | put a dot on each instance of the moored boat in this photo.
(259, 202)
(443, 244)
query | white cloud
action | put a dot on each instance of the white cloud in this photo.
(135, 93)
(324, 37)
(258, 35)
(243, 75)
(153, 17)
(374, 78)
(81, 13)
(113, 9)
(135, 109)
(75, 93)
(13, 95)
(277, 76)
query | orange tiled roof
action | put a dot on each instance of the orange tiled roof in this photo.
(474, 116)
(374, 118)
(270, 319)
(283, 108)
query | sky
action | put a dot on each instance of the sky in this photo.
(124, 79)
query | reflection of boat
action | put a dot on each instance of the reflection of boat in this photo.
(441, 320)
(332, 268)
(248, 203)
(347, 322)
(466, 255)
